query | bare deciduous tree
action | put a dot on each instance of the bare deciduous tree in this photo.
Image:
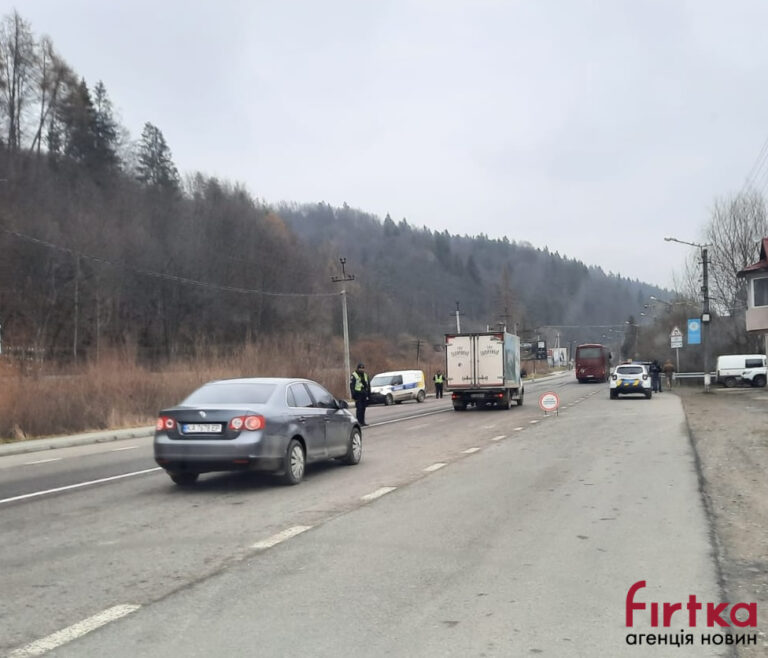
(17, 65)
(734, 231)
(52, 75)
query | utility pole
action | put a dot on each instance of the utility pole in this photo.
(705, 313)
(418, 351)
(77, 306)
(342, 279)
(458, 320)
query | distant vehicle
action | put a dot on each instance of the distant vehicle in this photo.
(483, 369)
(397, 386)
(735, 369)
(258, 424)
(630, 378)
(592, 363)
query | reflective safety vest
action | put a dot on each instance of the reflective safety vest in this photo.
(360, 382)
(438, 379)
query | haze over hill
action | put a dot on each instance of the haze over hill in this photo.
(106, 245)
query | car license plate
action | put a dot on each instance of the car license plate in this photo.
(201, 428)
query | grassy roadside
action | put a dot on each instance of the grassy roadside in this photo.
(117, 392)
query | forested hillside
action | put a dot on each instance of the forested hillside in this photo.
(409, 278)
(104, 245)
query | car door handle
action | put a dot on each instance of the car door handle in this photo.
(302, 419)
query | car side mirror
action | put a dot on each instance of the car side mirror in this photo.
(342, 404)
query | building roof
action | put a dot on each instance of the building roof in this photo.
(759, 266)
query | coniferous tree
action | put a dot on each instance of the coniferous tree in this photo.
(76, 116)
(155, 164)
(105, 130)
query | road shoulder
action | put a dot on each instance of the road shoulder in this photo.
(727, 429)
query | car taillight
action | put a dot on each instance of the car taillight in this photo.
(251, 423)
(165, 423)
(645, 376)
(613, 377)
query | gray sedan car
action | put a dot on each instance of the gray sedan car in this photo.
(259, 424)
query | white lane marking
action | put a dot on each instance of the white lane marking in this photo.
(280, 537)
(79, 485)
(434, 467)
(400, 420)
(469, 451)
(121, 449)
(55, 640)
(499, 438)
(518, 429)
(489, 427)
(43, 461)
(419, 427)
(383, 491)
(533, 422)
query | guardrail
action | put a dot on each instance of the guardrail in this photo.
(692, 375)
(707, 382)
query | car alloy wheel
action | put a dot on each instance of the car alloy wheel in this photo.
(354, 449)
(295, 463)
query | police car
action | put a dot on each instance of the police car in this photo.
(631, 378)
(398, 386)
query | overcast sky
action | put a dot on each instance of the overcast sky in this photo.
(594, 128)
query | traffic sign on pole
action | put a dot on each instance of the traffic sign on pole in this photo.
(676, 338)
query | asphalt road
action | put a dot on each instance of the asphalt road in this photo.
(429, 547)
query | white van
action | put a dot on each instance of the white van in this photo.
(735, 369)
(396, 386)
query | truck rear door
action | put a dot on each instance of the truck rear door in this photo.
(458, 361)
(489, 366)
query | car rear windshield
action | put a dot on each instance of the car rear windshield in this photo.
(630, 370)
(382, 380)
(589, 353)
(230, 393)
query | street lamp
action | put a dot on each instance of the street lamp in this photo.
(705, 316)
(636, 331)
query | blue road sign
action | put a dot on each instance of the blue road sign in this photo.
(694, 331)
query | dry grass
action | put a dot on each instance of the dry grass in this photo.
(44, 400)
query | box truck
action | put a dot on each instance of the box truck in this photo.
(483, 369)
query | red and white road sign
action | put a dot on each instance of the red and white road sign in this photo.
(549, 401)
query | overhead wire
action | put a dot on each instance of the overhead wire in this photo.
(161, 275)
(757, 166)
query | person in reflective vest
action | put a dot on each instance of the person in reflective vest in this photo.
(439, 380)
(360, 388)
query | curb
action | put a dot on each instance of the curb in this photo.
(88, 438)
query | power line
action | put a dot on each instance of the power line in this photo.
(757, 166)
(161, 275)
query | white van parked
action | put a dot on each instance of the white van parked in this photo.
(396, 386)
(735, 369)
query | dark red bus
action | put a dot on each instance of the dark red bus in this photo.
(592, 363)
